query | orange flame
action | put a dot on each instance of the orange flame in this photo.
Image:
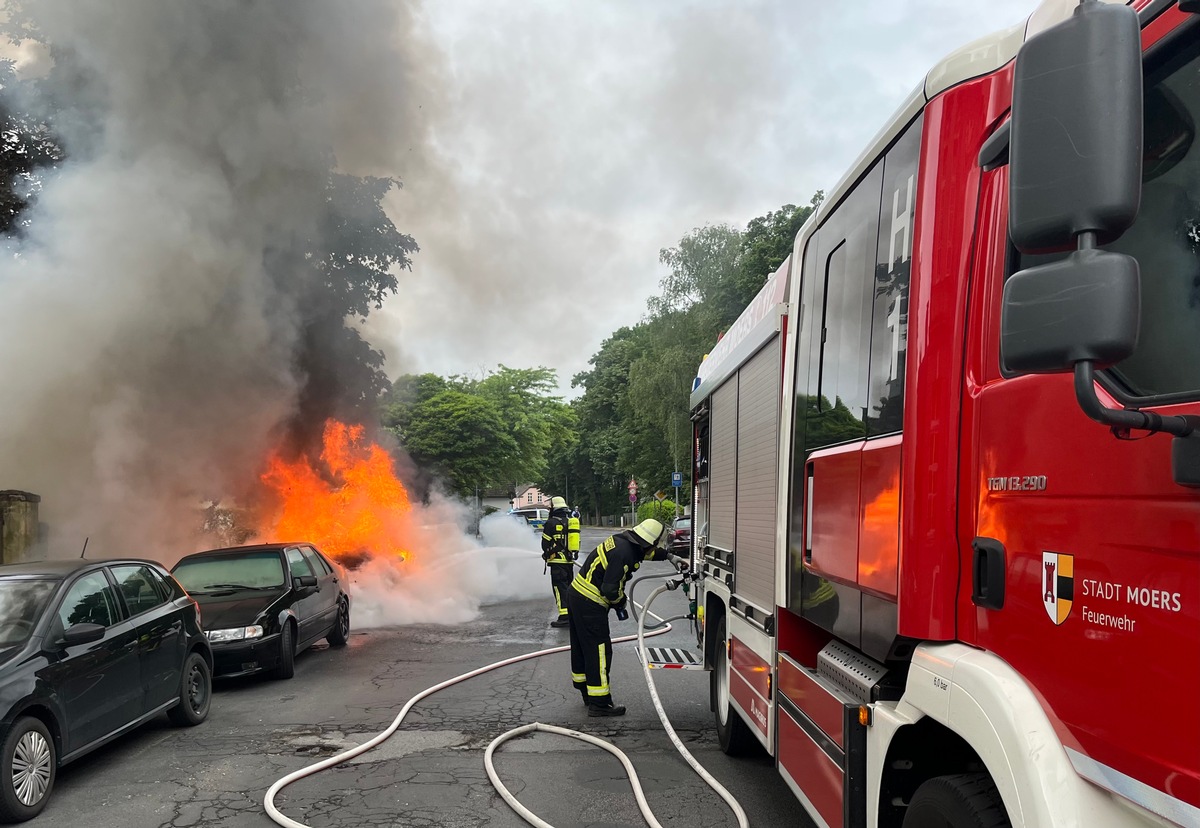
(358, 510)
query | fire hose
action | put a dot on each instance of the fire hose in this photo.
(279, 818)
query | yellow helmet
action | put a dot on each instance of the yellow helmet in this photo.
(650, 530)
(558, 503)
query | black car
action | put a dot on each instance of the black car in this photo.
(89, 650)
(263, 604)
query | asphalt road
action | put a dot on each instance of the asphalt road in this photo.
(431, 772)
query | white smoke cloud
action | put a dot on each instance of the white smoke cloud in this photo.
(453, 575)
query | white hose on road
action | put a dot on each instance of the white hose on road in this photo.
(279, 818)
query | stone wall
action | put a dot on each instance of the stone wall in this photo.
(18, 525)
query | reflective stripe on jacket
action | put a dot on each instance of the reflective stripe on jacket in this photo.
(602, 576)
(554, 538)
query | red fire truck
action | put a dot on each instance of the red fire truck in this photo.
(947, 463)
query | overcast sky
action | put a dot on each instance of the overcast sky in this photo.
(565, 143)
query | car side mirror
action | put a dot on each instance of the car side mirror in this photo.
(78, 634)
(302, 582)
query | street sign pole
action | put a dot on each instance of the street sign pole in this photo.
(633, 487)
(677, 482)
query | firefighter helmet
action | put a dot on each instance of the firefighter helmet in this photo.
(650, 530)
(558, 503)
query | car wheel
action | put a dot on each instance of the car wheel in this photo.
(733, 735)
(340, 633)
(967, 800)
(28, 767)
(287, 653)
(195, 692)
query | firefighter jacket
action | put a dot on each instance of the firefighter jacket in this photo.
(602, 577)
(555, 548)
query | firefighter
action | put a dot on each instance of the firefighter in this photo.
(556, 552)
(599, 586)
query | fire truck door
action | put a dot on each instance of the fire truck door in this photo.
(1100, 601)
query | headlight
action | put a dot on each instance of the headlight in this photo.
(239, 634)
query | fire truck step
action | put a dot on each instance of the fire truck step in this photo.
(670, 658)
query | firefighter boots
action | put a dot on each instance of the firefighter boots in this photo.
(606, 710)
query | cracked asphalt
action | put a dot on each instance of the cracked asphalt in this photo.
(430, 773)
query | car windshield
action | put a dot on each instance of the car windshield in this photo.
(251, 570)
(21, 602)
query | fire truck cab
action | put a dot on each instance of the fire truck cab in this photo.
(947, 463)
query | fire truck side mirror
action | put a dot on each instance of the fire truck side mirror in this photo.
(1076, 144)
(1085, 307)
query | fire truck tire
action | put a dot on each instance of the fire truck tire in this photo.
(968, 800)
(287, 653)
(733, 735)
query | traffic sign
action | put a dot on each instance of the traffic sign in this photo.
(632, 486)
(632, 497)
(660, 495)
(676, 479)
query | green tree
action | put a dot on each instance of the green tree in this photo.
(634, 413)
(430, 416)
(660, 510)
(702, 272)
(460, 437)
(407, 392)
(27, 148)
(768, 240)
(339, 274)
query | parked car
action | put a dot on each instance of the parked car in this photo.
(681, 536)
(88, 651)
(264, 604)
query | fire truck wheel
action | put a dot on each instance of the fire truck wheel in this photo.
(287, 653)
(968, 800)
(733, 734)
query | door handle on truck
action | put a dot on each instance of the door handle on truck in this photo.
(987, 573)
(808, 510)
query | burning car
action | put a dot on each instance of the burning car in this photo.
(265, 603)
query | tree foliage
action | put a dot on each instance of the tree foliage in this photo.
(634, 418)
(498, 430)
(660, 510)
(28, 147)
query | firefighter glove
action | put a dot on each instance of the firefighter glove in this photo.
(622, 613)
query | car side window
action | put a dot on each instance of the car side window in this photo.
(297, 567)
(90, 600)
(137, 585)
(316, 561)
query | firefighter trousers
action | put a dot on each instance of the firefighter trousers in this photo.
(561, 575)
(591, 649)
